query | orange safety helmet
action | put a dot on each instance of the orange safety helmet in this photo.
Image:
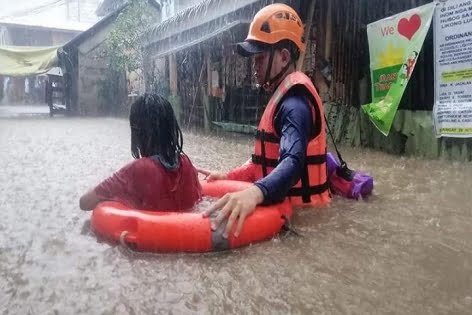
(272, 24)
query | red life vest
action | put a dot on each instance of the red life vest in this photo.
(313, 188)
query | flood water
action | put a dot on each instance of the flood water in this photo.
(407, 250)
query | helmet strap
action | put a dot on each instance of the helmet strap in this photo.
(267, 79)
(280, 74)
(270, 81)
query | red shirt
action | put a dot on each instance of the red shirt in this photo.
(146, 184)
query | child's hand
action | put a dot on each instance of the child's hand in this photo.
(211, 176)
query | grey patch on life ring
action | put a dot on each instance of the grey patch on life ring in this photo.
(219, 243)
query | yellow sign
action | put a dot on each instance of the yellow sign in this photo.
(455, 76)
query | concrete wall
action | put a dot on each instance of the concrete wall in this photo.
(92, 69)
(4, 36)
(92, 77)
(92, 74)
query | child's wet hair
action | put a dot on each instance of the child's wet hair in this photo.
(154, 129)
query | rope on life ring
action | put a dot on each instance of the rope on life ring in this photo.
(288, 227)
(123, 241)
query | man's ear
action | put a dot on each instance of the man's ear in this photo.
(286, 55)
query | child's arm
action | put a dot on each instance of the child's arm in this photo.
(210, 175)
(245, 173)
(89, 200)
(119, 187)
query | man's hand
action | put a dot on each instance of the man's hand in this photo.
(235, 206)
(211, 176)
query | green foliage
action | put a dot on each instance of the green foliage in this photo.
(123, 43)
(124, 52)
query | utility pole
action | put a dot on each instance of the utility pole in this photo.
(78, 10)
(68, 9)
(311, 12)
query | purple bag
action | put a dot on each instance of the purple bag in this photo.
(346, 182)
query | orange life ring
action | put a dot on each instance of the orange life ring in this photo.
(158, 231)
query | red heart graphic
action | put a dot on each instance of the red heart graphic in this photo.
(408, 28)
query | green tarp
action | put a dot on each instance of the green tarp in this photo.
(234, 127)
(25, 61)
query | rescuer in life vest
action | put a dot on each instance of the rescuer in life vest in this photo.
(290, 147)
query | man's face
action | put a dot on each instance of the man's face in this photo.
(261, 64)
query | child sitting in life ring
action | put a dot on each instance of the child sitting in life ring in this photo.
(161, 176)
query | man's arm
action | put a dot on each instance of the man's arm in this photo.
(295, 125)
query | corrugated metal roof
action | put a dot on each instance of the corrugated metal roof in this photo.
(164, 49)
(102, 23)
(92, 30)
(203, 12)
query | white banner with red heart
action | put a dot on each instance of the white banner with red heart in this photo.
(394, 46)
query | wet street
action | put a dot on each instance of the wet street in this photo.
(7, 111)
(407, 250)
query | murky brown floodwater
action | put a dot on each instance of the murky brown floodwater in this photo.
(408, 250)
